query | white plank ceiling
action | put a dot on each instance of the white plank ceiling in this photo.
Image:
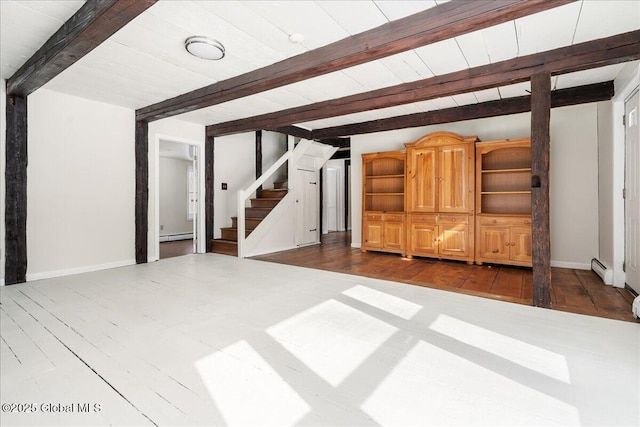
(145, 62)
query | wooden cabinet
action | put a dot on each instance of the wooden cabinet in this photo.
(503, 202)
(440, 173)
(440, 180)
(441, 236)
(383, 219)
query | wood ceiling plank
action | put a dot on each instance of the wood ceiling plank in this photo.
(593, 54)
(532, 40)
(559, 98)
(433, 25)
(92, 24)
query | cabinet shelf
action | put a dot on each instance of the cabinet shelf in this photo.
(504, 192)
(383, 179)
(384, 176)
(514, 170)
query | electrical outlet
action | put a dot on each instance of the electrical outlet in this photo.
(224, 185)
(161, 227)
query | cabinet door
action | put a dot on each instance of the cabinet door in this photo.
(493, 243)
(423, 239)
(421, 180)
(453, 179)
(454, 240)
(393, 236)
(521, 244)
(372, 233)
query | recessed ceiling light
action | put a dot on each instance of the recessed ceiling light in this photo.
(296, 38)
(204, 47)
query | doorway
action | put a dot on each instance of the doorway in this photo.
(178, 213)
(336, 196)
(632, 193)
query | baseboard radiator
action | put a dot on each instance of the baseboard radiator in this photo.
(174, 237)
(606, 274)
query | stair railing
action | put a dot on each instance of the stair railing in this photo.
(243, 195)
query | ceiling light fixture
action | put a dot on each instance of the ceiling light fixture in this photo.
(296, 38)
(204, 47)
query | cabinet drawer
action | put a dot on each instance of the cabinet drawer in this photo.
(393, 217)
(426, 218)
(505, 220)
(453, 219)
(373, 217)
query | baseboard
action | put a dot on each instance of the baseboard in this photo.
(572, 265)
(175, 237)
(355, 245)
(78, 270)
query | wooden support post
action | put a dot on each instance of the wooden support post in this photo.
(142, 190)
(258, 160)
(540, 149)
(208, 190)
(16, 191)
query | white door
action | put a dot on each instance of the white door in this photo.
(307, 214)
(331, 199)
(632, 194)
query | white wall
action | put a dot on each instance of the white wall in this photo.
(234, 164)
(172, 130)
(605, 182)
(573, 169)
(274, 145)
(81, 185)
(574, 186)
(174, 208)
(3, 158)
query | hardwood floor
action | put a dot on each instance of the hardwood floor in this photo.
(576, 291)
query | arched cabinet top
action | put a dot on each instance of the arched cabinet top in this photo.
(442, 138)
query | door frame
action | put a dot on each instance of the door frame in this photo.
(341, 197)
(153, 239)
(627, 174)
(626, 89)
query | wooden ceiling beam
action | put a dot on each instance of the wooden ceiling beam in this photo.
(592, 54)
(439, 23)
(293, 131)
(521, 104)
(91, 25)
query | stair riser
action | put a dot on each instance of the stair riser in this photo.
(232, 234)
(280, 184)
(224, 248)
(278, 194)
(249, 222)
(264, 203)
(255, 213)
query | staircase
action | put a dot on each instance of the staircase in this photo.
(260, 208)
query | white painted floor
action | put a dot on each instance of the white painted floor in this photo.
(213, 340)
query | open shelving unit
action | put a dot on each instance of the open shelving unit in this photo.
(383, 219)
(383, 180)
(504, 177)
(503, 202)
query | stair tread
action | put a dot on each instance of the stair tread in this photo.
(235, 228)
(231, 242)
